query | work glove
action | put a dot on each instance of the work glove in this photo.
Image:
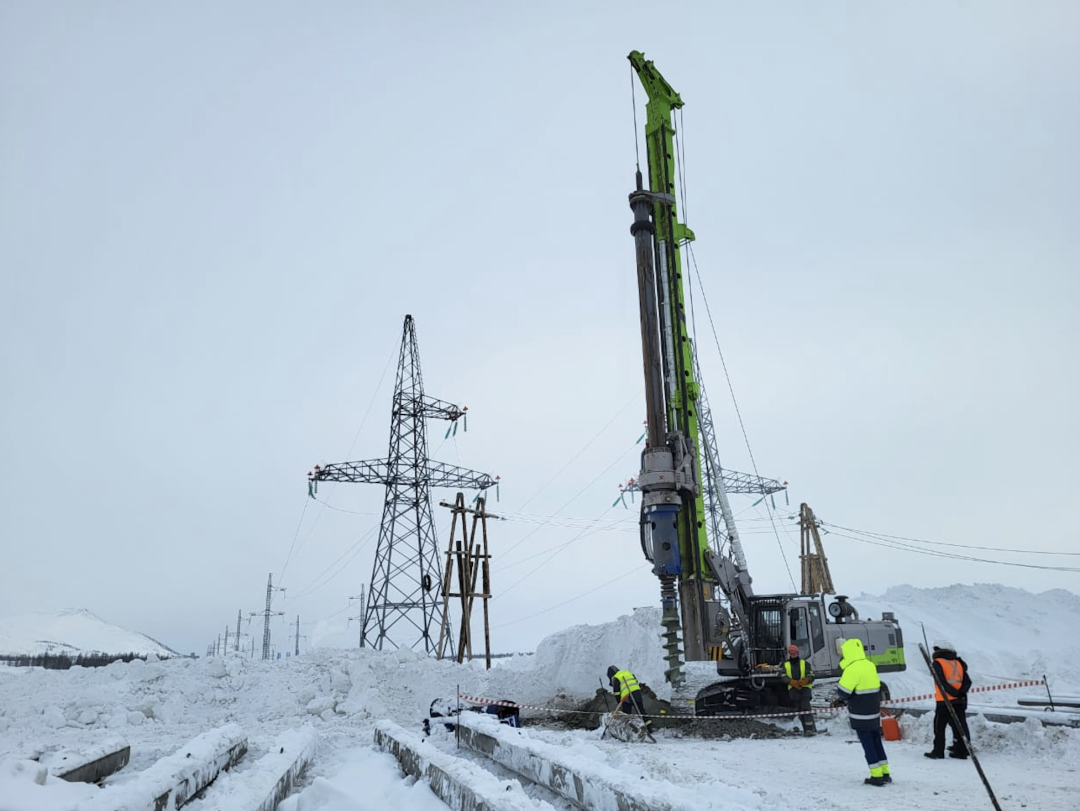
(838, 703)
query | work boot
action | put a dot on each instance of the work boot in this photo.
(874, 781)
(887, 778)
(809, 733)
(958, 755)
(934, 755)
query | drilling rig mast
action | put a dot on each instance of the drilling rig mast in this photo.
(705, 593)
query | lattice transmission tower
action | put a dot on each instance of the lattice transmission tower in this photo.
(404, 607)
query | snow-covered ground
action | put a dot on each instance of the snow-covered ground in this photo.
(340, 695)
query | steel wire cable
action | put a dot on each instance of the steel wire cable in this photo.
(354, 549)
(953, 556)
(885, 536)
(633, 400)
(562, 603)
(731, 391)
(580, 492)
(633, 104)
(322, 579)
(363, 421)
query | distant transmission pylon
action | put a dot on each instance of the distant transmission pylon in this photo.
(266, 617)
(404, 597)
(267, 614)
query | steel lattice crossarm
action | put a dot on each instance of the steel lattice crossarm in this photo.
(435, 409)
(407, 569)
(734, 482)
(378, 471)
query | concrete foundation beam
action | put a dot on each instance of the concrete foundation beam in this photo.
(262, 785)
(177, 778)
(293, 755)
(462, 785)
(602, 788)
(88, 765)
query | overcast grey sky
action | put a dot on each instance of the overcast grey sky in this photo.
(214, 217)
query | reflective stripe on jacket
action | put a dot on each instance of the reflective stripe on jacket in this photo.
(953, 671)
(860, 687)
(625, 682)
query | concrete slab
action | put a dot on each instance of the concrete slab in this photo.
(88, 765)
(175, 779)
(462, 785)
(599, 789)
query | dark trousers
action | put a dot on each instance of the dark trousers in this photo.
(874, 750)
(800, 700)
(632, 703)
(942, 719)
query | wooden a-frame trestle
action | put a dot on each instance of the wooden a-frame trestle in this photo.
(472, 559)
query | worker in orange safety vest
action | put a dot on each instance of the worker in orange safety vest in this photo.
(951, 672)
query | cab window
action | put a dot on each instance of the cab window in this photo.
(798, 629)
(816, 632)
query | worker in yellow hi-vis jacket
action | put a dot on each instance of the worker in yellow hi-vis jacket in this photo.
(626, 688)
(860, 691)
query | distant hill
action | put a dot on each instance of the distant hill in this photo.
(72, 632)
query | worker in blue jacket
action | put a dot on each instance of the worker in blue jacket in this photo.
(860, 691)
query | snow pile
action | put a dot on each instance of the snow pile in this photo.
(1002, 633)
(573, 663)
(158, 706)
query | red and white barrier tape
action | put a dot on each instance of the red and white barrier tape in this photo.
(924, 697)
(890, 702)
(485, 701)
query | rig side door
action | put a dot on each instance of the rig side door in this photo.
(806, 628)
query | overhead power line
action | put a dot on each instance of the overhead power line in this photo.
(885, 536)
(940, 554)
